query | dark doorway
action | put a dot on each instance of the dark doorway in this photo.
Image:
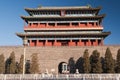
(63, 68)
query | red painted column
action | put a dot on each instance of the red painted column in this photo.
(88, 24)
(94, 23)
(70, 24)
(71, 43)
(31, 43)
(47, 25)
(38, 24)
(38, 43)
(89, 43)
(96, 43)
(55, 24)
(83, 43)
(79, 24)
(48, 43)
(57, 43)
(80, 43)
(32, 25)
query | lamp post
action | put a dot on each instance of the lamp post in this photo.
(25, 44)
(24, 60)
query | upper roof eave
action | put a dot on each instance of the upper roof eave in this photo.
(97, 9)
(63, 8)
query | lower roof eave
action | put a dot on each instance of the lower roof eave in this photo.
(103, 34)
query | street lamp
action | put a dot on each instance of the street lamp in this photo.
(24, 60)
(25, 42)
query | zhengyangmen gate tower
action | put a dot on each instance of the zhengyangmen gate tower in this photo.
(63, 26)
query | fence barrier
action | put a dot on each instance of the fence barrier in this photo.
(60, 77)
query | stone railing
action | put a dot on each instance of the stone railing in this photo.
(60, 77)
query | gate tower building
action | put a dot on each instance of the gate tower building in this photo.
(63, 26)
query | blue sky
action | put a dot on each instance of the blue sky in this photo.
(11, 10)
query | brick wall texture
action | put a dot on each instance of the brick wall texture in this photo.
(51, 57)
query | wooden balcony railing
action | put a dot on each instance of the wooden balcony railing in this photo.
(62, 27)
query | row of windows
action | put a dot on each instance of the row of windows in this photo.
(59, 12)
(66, 24)
(80, 12)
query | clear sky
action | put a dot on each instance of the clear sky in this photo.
(11, 10)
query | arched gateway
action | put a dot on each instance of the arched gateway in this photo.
(63, 68)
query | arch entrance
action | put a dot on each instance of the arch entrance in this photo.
(63, 68)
